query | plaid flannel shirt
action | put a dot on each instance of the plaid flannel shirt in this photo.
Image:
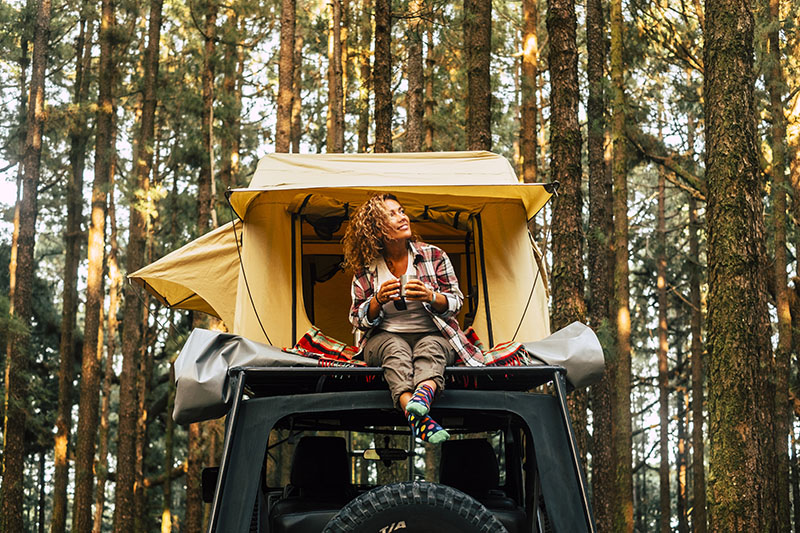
(435, 270)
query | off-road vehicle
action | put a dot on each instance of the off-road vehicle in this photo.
(309, 447)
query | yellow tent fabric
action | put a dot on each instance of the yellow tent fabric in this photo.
(470, 203)
(198, 276)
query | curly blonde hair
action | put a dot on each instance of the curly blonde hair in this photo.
(363, 238)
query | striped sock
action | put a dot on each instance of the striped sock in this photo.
(420, 402)
(427, 429)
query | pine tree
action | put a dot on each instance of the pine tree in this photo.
(742, 489)
(18, 342)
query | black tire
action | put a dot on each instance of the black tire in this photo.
(414, 507)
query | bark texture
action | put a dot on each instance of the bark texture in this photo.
(73, 237)
(663, 366)
(124, 510)
(90, 366)
(430, 102)
(699, 520)
(567, 279)
(776, 85)
(382, 76)
(415, 76)
(364, 73)
(530, 73)
(205, 198)
(477, 54)
(742, 486)
(335, 138)
(17, 352)
(285, 77)
(621, 424)
(297, 115)
(598, 240)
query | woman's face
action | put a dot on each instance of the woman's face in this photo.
(399, 225)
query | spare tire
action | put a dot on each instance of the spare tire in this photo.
(414, 507)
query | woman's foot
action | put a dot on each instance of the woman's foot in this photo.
(426, 428)
(420, 402)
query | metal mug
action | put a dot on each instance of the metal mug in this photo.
(400, 304)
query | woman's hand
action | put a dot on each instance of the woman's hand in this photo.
(390, 290)
(418, 291)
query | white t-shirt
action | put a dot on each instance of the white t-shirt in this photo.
(414, 319)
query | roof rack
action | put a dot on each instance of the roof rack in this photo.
(262, 382)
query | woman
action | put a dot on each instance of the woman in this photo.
(413, 338)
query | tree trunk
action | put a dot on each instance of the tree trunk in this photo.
(414, 97)
(283, 127)
(382, 76)
(776, 84)
(598, 239)
(477, 54)
(297, 104)
(530, 66)
(621, 424)
(73, 236)
(144, 376)
(565, 167)
(793, 143)
(41, 504)
(699, 522)
(683, 450)
(430, 102)
(169, 452)
(17, 353)
(124, 509)
(90, 368)
(335, 137)
(364, 74)
(663, 348)
(205, 198)
(232, 110)
(101, 462)
(742, 487)
(795, 484)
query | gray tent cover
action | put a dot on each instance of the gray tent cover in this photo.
(201, 369)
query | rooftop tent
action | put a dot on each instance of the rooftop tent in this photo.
(295, 211)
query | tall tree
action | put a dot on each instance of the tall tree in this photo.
(430, 101)
(364, 73)
(742, 489)
(598, 240)
(114, 285)
(699, 521)
(621, 424)
(415, 75)
(297, 117)
(335, 137)
(79, 139)
(231, 111)
(18, 347)
(124, 509)
(530, 67)
(565, 167)
(90, 367)
(477, 54)
(776, 84)
(205, 181)
(285, 77)
(382, 76)
(665, 502)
